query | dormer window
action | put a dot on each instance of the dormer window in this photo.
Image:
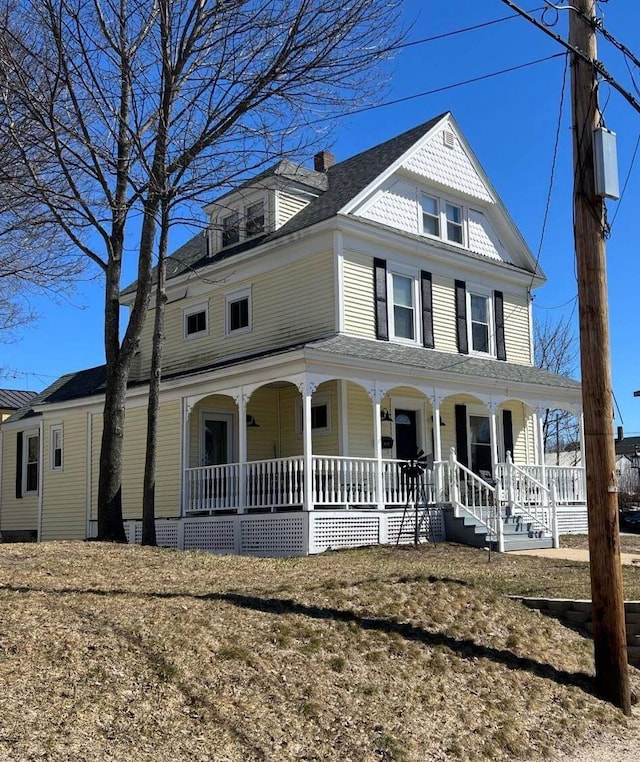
(254, 224)
(230, 229)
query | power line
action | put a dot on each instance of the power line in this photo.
(553, 168)
(441, 89)
(463, 30)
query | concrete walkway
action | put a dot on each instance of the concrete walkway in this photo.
(575, 554)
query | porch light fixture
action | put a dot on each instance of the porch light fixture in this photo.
(385, 415)
(252, 423)
(442, 423)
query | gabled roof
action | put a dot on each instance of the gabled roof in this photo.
(14, 399)
(340, 184)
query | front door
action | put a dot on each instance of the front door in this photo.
(406, 422)
(217, 439)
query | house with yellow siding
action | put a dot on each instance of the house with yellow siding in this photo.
(348, 361)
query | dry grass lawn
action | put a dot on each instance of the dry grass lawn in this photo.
(124, 653)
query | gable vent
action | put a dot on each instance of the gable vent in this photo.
(449, 139)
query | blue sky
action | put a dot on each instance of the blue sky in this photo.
(510, 121)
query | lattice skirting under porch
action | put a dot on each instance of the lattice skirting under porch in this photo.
(289, 534)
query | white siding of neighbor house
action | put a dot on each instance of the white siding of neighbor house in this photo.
(288, 205)
(64, 507)
(16, 513)
(288, 305)
(450, 167)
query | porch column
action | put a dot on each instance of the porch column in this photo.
(306, 389)
(377, 443)
(187, 407)
(241, 400)
(493, 423)
(540, 411)
(436, 402)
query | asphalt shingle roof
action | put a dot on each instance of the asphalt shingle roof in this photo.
(433, 360)
(341, 183)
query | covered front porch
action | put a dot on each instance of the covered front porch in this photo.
(353, 437)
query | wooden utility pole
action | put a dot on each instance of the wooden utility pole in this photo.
(609, 632)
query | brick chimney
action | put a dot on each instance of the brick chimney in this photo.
(323, 160)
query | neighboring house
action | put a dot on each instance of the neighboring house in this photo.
(12, 400)
(329, 324)
(627, 463)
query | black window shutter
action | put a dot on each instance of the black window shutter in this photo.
(461, 435)
(380, 286)
(507, 432)
(427, 309)
(461, 317)
(498, 306)
(19, 464)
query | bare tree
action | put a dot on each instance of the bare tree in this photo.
(556, 350)
(136, 101)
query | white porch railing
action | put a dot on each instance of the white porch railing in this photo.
(569, 481)
(528, 497)
(352, 482)
(274, 483)
(471, 493)
(211, 488)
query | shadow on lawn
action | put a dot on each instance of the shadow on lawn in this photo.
(463, 647)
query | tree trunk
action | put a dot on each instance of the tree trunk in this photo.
(149, 483)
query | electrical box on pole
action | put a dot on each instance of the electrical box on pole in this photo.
(605, 163)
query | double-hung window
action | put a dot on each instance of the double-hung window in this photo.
(430, 215)
(31, 462)
(442, 219)
(480, 323)
(254, 222)
(55, 448)
(454, 223)
(230, 229)
(403, 307)
(238, 311)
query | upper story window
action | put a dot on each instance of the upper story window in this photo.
(55, 448)
(480, 323)
(430, 215)
(238, 311)
(254, 216)
(230, 229)
(30, 465)
(403, 324)
(442, 219)
(454, 223)
(194, 320)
